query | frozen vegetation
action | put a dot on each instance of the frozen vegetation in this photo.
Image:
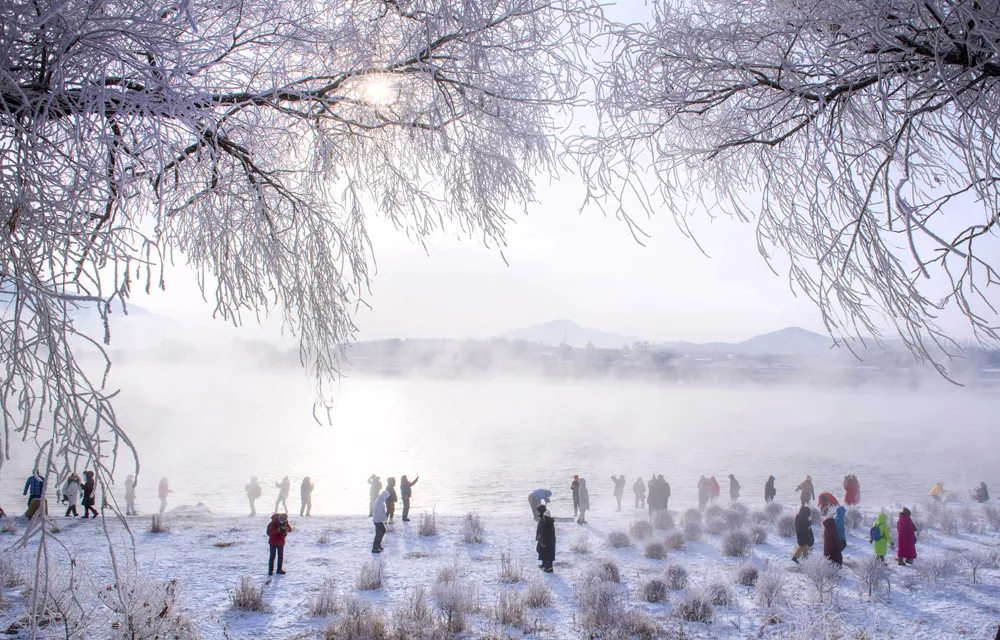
(204, 576)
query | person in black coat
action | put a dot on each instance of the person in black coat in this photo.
(734, 487)
(769, 490)
(664, 493)
(405, 492)
(653, 494)
(803, 534)
(574, 488)
(545, 537)
(89, 492)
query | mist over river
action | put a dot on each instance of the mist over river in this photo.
(484, 444)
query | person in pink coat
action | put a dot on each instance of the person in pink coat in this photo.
(906, 538)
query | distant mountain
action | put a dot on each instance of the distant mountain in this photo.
(568, 332)
(785, 342)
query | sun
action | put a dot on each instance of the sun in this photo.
(378, 90)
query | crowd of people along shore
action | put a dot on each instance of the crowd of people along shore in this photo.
(652, 496)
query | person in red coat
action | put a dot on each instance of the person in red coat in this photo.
(852, 490)
(716, 490)
(831, 542)
(826, 500)
(906, 538)
(277, 530)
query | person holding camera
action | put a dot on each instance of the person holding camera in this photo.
(277, 530)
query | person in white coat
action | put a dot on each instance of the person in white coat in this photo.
(378, 517)
(71, 490)
(584, 502)
(130, 496)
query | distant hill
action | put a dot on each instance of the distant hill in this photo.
(568, 332)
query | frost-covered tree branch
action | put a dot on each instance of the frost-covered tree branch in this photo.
(861, 135)
(250, 139)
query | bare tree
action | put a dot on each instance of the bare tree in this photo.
(250, 139)
(861, 135)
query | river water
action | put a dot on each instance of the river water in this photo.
(484, 444)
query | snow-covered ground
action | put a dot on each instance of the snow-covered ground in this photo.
(208, 555)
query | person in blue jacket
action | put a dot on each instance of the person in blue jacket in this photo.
(536, 498)
(838, 519)
(34, 487)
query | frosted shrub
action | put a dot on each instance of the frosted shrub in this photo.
(8, 526)
(158, 524)
(324, 537)
(760, 518)
(855, 517)
(691, 515)
(675, 541)
(816, 517)
(976, 561)
(581, 544)
(714, 511)
(675, 577)
(10, 573)
(656, 550)
(936, 568)
(773, 510)
(454, 600)
(871, 574)
(473, 531)
(601, 606)
(991, 513)
(737, 544)
(413, 618)
(510, 569)
(640, 530)
(694, 606)
(619, 539)
(325, 601)
(735, 518)
(654, 591)
(606, 571)
(759, 534)
(428, 524)
(509, 609)
(740, 507)
(770, 589)
(359, 621)
(144, 609)
(370, 577)
(948, 521)
(692, 531)
(716, 526)
(719, 594)
(821, 573)
(447, 574)
(746, 575)
(663, 520)
(538, 594)
(969, 520)
(786, 526)
(247, 596)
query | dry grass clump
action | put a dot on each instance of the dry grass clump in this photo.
(359, 621)
(247, 596)
(855, 517)
(509, 609)
(716, 526)
(773, 510)
(581, 544)
(747, 575)
(158, 524)
(473, 531)
(509, 571)
(538, 594)
(694, 606)
(428, 524)
(759, 534)
(455, 600)
(692, 531)
(8, 526)
(675, 541)
(324, 536)
(991, 513)
(654, 591)
(370, 577)
(737, 544)
(735, 516)
(325, 602)
(719, 594)
(770, 589)
(760, 518)
(604, 571)
(619, 540)
(821, 573)
(655, 550)
(714, 511)
(786, 526)
(10, 573)
(871, 574)
(691, 515)
(663, 520)
(640, 530)
(675, 577)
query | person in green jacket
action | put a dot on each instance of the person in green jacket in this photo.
(881, 545)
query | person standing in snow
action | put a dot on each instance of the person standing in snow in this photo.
(574, 487)
(825, 501)
(664, 493)
(803, 534)
(769, 490)
(89, 493)
(71, 490)
(306, 493)
(716, 490)
(164, 492)
(584, 502)
(253, 492)
(704, 492)
(34, 487)
(806, 491)
(374, 489)
(937, 492)
(639, 491)
(734, 488)
(831, 543)
(838, 519)
(277, 530)
(406, 492)
(378, 518)
(545, 537)
(129, 495)
(852, 490)
(283, 488)
(880, 538)
(653, 495)
(619, 489)
(906, 538)
(390, 504)
(981, 494)
(535, 500)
